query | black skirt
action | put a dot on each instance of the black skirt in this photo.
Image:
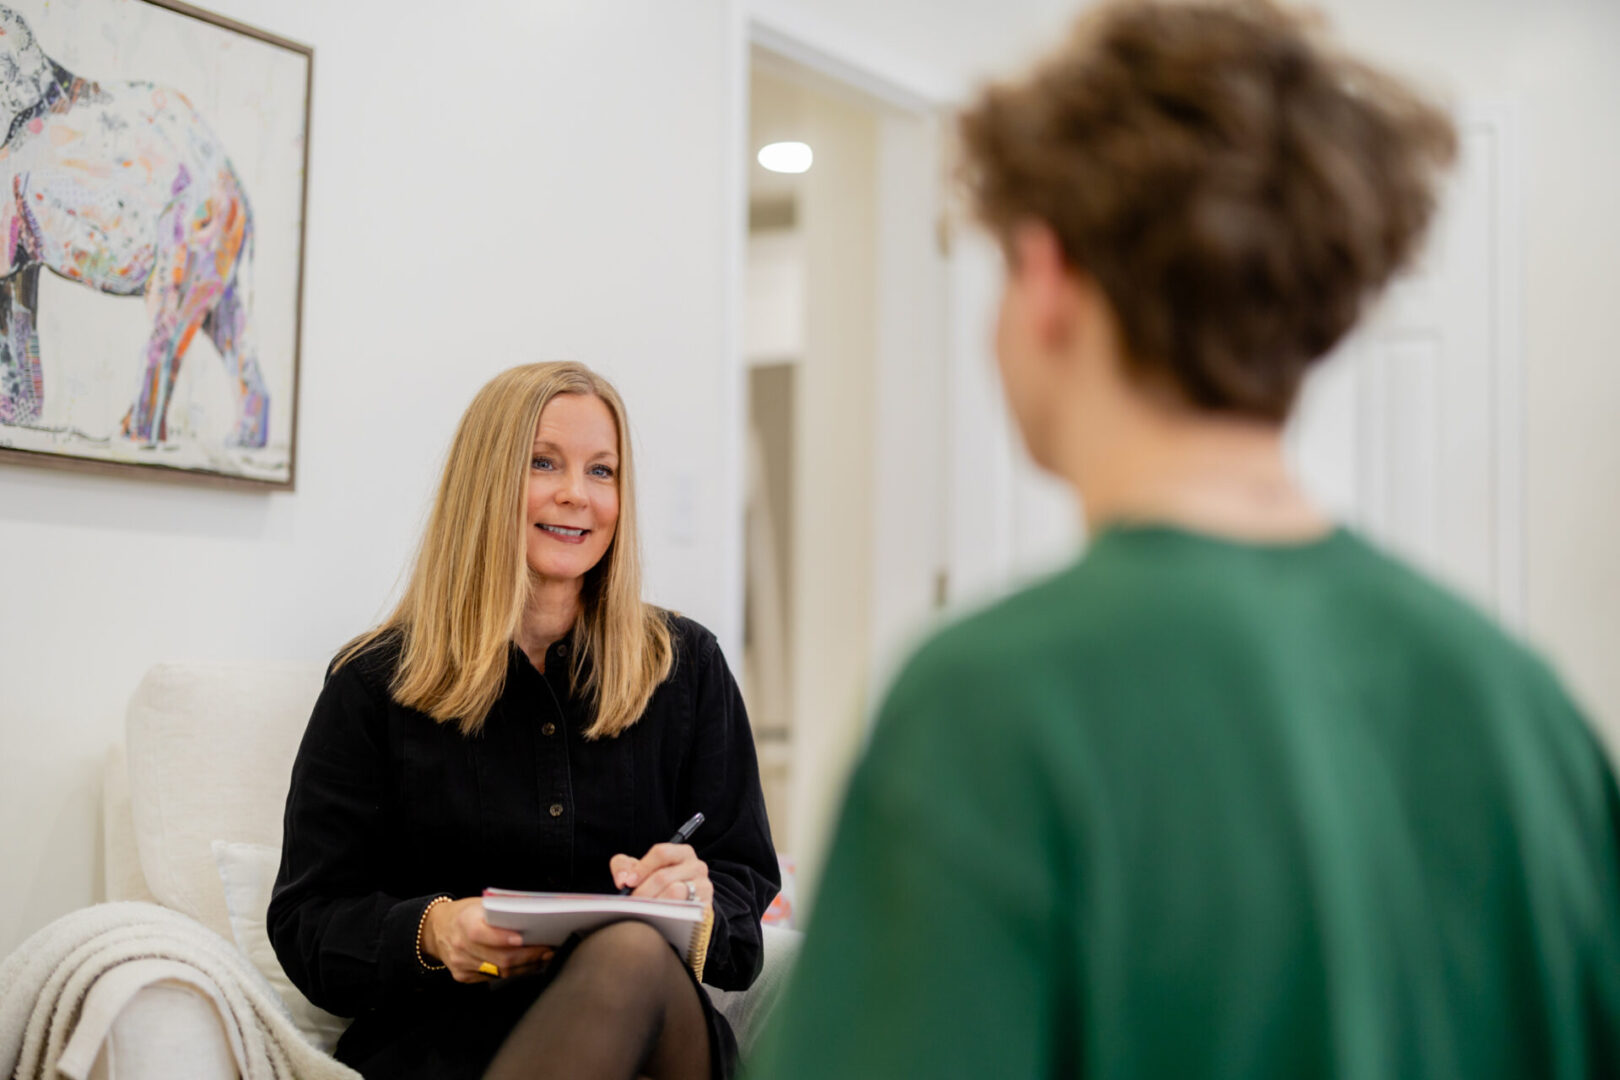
(454, 1036)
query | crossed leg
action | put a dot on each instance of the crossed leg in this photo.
(622, 1007)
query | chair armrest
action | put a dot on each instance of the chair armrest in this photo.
(166, 1032)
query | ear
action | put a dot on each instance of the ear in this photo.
(1037, 266)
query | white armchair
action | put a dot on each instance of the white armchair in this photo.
(198, 789)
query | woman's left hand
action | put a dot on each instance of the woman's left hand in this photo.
(663, 872)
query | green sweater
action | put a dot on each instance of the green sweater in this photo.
(1194, 808)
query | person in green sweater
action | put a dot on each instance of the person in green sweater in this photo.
(1236, 794)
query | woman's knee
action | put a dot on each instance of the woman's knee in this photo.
(625, 960)
(629, 942)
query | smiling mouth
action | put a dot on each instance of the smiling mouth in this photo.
(563, 533)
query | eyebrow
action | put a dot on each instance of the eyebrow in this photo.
(547, 444)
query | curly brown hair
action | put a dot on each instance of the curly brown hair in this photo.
(1236, 189)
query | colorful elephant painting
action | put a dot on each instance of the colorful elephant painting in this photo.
(121, 187)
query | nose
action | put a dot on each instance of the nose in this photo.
(571, 491)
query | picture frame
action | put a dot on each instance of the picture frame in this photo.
(154, 181)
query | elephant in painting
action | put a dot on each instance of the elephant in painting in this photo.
(123, 188)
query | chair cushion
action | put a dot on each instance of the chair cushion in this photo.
(248, 872)
(210, 751)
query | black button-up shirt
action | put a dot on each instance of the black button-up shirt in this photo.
(388, 809)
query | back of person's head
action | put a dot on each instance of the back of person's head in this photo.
(1237, 189)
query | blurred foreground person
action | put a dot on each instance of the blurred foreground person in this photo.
(1236, 795)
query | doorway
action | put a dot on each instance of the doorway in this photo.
(845, 360)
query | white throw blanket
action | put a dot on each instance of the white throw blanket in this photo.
(62, 989)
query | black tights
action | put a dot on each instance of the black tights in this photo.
(621, 1007)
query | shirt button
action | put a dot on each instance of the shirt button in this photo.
(548, 728)
(562, 649)
(556, 809)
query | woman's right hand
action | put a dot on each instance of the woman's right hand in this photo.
(457, 936)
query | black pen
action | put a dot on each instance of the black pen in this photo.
(682, 835)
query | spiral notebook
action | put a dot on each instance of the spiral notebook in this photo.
(548, 918)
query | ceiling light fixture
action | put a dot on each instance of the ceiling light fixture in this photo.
(786, 157)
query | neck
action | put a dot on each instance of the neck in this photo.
(550, 613)
(1148, 462)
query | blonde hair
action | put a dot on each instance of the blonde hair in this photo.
(471, 578)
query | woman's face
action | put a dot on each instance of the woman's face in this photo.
(573, 502)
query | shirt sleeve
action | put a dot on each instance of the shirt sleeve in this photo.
(735, 840)
(342, 940)
(935, 940)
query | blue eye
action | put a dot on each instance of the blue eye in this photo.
(604, 471)
(540, 463)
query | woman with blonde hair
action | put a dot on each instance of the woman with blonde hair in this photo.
(523, 719)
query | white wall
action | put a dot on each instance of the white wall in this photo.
(502, 183)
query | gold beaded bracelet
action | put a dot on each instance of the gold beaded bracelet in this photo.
(421, 923)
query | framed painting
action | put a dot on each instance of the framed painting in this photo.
(153, 179)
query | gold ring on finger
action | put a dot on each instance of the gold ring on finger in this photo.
(489, 969)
